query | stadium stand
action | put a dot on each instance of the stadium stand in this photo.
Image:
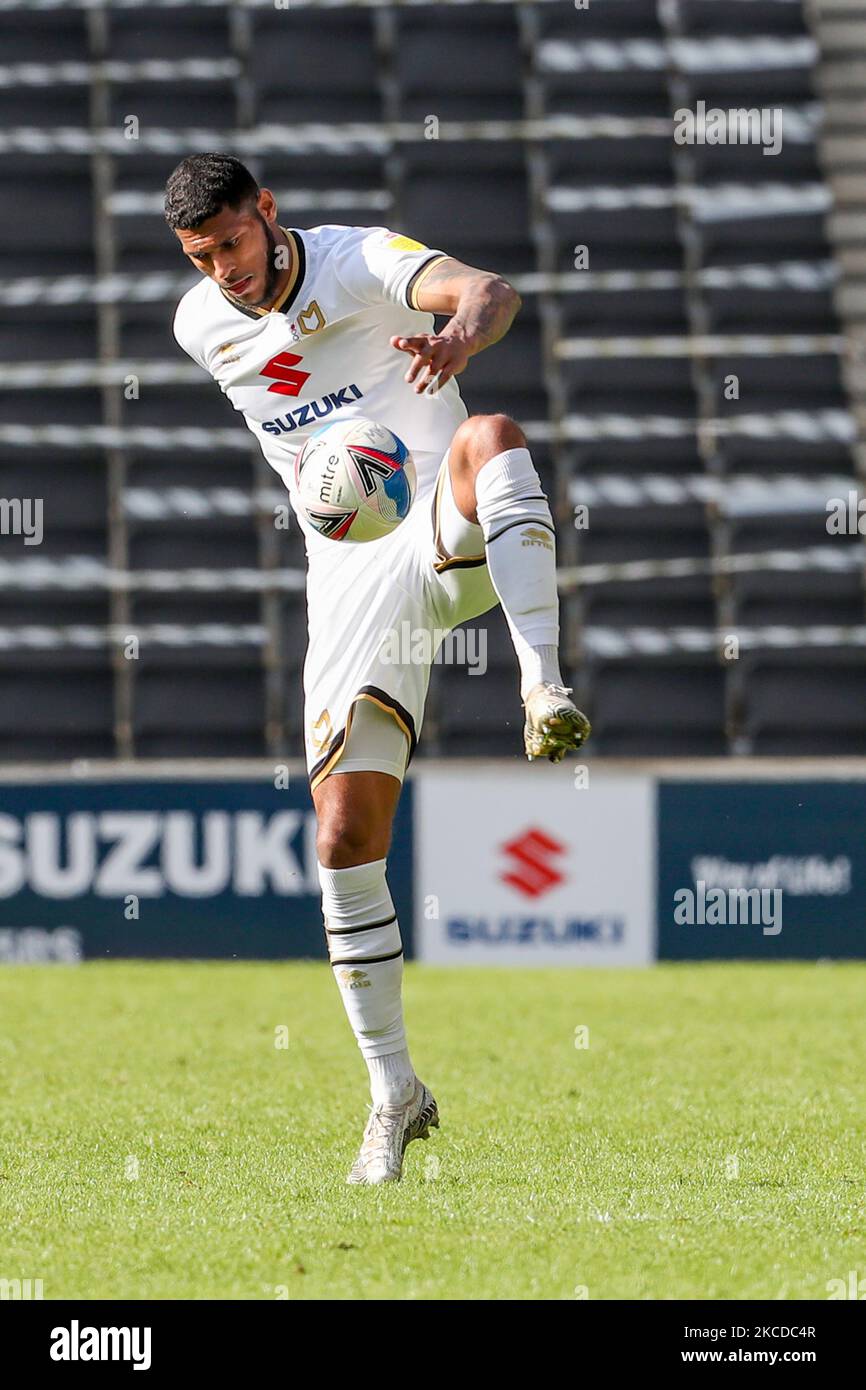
(688, 364)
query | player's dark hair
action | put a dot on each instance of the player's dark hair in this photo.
(202, 185)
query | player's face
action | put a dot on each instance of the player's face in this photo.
(237, 248)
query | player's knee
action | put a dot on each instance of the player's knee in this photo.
(481, 437)
(344, 840)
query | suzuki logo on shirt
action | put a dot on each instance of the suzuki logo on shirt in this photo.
(311, 411)
(531, 872)
(287, 381)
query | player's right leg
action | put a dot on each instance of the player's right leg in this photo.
(355, 811)
(364, 707)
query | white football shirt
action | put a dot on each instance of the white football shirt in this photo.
(324, 353)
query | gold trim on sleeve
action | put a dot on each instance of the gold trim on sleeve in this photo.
(422, 276)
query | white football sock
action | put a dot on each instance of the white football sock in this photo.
(536, 664)
(366, 954)
(392, 1078)
(519, 540)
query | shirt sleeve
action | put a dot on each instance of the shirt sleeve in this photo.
(179, 328)
(375, 265)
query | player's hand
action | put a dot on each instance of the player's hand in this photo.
(436, 357)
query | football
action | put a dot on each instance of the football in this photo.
(356, 480)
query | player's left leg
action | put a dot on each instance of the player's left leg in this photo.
(494, 483)
(355, 812)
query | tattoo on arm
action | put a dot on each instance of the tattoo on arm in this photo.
(487, 309)
(449, 272)
(483, 304)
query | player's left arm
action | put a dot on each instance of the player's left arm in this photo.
(482, 307)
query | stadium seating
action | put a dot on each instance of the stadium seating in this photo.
(678, 363)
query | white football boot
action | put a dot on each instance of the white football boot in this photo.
(554, 725)
(389, 1129)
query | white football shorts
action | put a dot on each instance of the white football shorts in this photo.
(377, 614)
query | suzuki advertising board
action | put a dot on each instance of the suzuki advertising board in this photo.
(166, 868)
(538, 869)
(762, 870)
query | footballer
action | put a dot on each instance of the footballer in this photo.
(303, 327)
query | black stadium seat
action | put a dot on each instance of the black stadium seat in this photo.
(464, 88)
(667, 708)
(334, 80)
(200, 708)
(471, 199)
(826, 717)
(56, 705)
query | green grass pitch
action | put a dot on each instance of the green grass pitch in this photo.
(708, 1143)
